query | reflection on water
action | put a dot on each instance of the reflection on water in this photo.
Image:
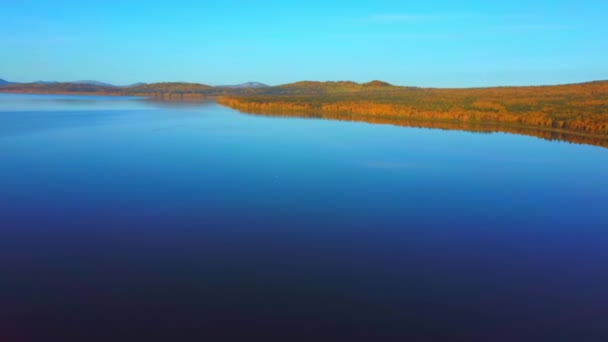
(543, 133)
(127, 219)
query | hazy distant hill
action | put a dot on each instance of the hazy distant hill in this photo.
(169, 87)
(5, 82)
(134, 85)
(92, 82)
(246, 85)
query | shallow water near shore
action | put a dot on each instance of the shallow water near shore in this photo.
(132, 218)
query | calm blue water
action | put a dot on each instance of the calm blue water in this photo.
(124, 218)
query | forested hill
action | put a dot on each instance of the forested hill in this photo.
(574, 108)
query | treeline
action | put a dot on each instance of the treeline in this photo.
(581, 108)
(60, 88)
(163, 90)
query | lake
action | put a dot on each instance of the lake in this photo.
(125, 218)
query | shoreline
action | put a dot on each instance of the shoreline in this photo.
(542, 132)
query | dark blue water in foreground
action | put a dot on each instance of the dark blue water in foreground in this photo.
(128, 219)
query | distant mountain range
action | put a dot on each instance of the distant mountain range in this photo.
(103, 84)
(246, 85)
(90, 82)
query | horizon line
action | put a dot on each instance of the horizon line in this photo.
(102, 83)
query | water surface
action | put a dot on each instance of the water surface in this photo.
(123, 218)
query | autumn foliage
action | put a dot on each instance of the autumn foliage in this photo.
(581, 108)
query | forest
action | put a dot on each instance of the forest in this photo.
(580, 108)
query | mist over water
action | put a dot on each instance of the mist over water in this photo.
(128, 218)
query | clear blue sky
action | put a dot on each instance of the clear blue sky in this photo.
(441, 43)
